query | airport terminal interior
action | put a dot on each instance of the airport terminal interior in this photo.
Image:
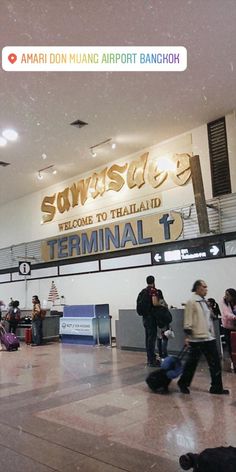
(110, 173)
(68, 408)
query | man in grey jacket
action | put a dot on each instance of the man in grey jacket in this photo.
(198, 326)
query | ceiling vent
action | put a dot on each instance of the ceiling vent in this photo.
(4, 164)
(79, 123)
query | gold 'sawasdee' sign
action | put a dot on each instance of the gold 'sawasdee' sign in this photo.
(137, 232)
(134, 174)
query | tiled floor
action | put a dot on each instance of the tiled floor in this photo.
(75, 408)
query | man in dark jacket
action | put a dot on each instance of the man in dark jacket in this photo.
(150, 324)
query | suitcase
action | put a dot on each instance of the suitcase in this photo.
(218, 459)
(158, 381)
(233, 348)
(28, 335)
(171, 368)
(9, 340)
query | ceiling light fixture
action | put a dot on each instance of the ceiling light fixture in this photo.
(93, 153)
(10, 134)
(93, 149)
(47, 169)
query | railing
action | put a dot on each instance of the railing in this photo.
(222, 219)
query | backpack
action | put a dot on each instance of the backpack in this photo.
(13, 314)
(163, 315)
(144, 303)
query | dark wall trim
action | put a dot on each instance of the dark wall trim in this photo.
(153, 249)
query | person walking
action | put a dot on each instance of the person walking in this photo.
(198, 326)
(228, 308)
(36, 322)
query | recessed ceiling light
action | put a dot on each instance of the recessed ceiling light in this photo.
(44, 156)
(3, 141)
(39, 176)
(54, 171)
(113, 146)
(10, 134)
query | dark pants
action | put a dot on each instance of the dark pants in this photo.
(228, 340)
(209, 349)
(150, 325)
(37, 331)
(12, 326)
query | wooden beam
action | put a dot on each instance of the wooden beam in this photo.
(199, 195)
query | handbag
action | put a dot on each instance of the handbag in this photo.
(43, 313)
(169, 333)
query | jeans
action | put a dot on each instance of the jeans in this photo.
(162, 346)
(12, 326)
(228, 341)
(150, 326)
(210, 351)
(37, 331)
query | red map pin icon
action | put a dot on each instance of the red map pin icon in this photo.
(12, 58)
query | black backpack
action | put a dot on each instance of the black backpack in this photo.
(144, 303)
(13, 314)
(162, 315)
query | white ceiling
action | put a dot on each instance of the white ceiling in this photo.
(136, 109)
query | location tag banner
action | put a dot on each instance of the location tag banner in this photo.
(94, 58)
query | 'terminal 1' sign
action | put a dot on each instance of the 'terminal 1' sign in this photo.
(128, 234)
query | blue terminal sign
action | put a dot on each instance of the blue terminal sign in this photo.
(187, 253)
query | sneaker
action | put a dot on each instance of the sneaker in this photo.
(224, 391)
(183, 388)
